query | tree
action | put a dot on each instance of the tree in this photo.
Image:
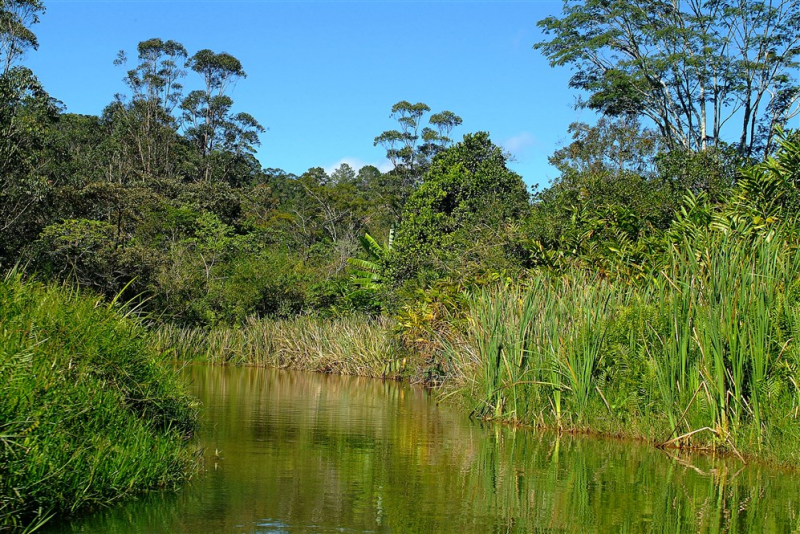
(695, 68)
(344, 174)
(156, 79)
(611, 146)
(207, 112)
(26, 111)
(468, 194)
(409, 157)
(26, 114)
(608, 196)
(144, 127)
(16, 17)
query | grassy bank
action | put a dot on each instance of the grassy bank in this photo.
(88, 414)
(702, 353)
(350, 345)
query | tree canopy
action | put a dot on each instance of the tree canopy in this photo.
(467, 189)
(701, 70)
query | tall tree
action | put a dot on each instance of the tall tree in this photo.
(207, 112)
(408, 155)
(156, 78)
(696, 68)
(144, 125)
(16, 18)
(26, 112)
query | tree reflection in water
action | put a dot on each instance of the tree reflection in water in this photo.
(303, 453)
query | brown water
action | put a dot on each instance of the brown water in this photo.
(310, 453)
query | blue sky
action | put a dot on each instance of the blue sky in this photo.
(323, 76)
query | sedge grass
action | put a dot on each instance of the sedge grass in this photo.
(88, 415)
(703, 353)
(350, 345)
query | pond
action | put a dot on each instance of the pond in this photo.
(289, 452)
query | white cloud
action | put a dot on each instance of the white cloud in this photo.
(385, 166)
(519, 143)
(356, 164)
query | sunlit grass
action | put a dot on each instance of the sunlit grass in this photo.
(351, 345)
(701, 353)
(88, 415)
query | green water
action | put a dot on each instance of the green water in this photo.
(310, 453)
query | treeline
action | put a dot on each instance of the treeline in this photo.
(162, 197)
(160, 201)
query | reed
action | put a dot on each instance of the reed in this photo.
(700, 353)
(351, 345)
(535, 347)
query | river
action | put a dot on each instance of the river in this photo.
(289, 452)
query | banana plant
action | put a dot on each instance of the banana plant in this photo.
(368, 273)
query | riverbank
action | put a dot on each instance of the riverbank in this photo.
(699, 355)
(89, 415)
(356, 345)
(702, 354)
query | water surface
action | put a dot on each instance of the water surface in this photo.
(298, 453)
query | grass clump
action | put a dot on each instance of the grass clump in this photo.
(88, 414)
(354, 345)
(702, 353)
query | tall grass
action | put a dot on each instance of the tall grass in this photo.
(535, 351)
(88, 415)
(703, 352)
(351, 345)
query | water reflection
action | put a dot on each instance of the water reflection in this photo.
(302, 453)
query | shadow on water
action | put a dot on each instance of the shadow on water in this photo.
(301, 453)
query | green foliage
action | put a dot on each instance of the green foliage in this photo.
(368, 274)
(679, 66)
(411, 149)
(616, 197)
(26, 111)
(88, 414)
(16, 37)
(82, 250)
(408, 155)
(699, 353)
(467, 190)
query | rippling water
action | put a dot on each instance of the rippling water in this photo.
(308, 453)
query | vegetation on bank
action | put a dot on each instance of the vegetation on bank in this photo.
(702, 353)
(89, 415)
(349, 345)
(649, 290)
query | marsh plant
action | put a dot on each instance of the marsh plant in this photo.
(702, 352)
(88, 415)
(355, 345)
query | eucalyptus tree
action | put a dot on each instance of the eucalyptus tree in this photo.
(144, 124)
(16, 37)
(209, 121)
(410, 157)
(156, 79)
(701, 70)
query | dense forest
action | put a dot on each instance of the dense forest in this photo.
(652, 289)
(162, 200)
